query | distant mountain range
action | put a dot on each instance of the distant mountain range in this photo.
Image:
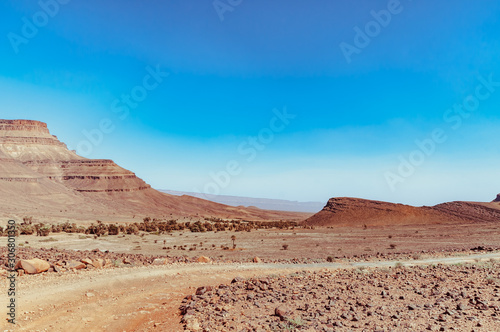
(261, 203)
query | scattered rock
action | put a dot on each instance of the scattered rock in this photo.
(160, 261)
(203, 259)
(257, 260)
(33, 266)
(73, 264)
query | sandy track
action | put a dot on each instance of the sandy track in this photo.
(145, 298)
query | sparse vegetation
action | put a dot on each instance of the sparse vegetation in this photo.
(50, 239)
(233, 238)
(153, 226)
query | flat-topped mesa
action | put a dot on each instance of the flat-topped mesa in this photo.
(20, 128)
(26, 140)
(38, 154)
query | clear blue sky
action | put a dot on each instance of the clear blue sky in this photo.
(359, 101)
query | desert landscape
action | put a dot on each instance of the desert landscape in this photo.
(249, 166)
(98, 249)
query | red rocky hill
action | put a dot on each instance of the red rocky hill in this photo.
(345, 211)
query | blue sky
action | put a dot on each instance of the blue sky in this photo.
(353, 119)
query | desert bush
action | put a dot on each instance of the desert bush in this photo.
(132, 229)
(26, 229)
(56, 228)
(69, 228)
(285, 247)
(330, 259)
(99, 229)
(44, 230)
(113, 229)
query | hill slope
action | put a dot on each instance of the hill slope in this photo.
(345, 211)
(39, 176)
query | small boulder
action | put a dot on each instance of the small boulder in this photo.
(257, 260)
(33, 266)
(87, 261)
(72, 264)
(98, 263)
(203, 259)
(282, 312)
(203, 290)
(160, 261)
(193, 324)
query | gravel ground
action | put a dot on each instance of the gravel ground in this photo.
(419, 298)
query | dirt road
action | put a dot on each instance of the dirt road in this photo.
(145, 298)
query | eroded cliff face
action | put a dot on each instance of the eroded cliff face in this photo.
(30, 143)
(39, 176)
(25, 140)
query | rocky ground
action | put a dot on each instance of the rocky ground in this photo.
(403, 298)
(68, 260)
(61, 260)
(302, 245)
(147, 298)
(144, 279)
